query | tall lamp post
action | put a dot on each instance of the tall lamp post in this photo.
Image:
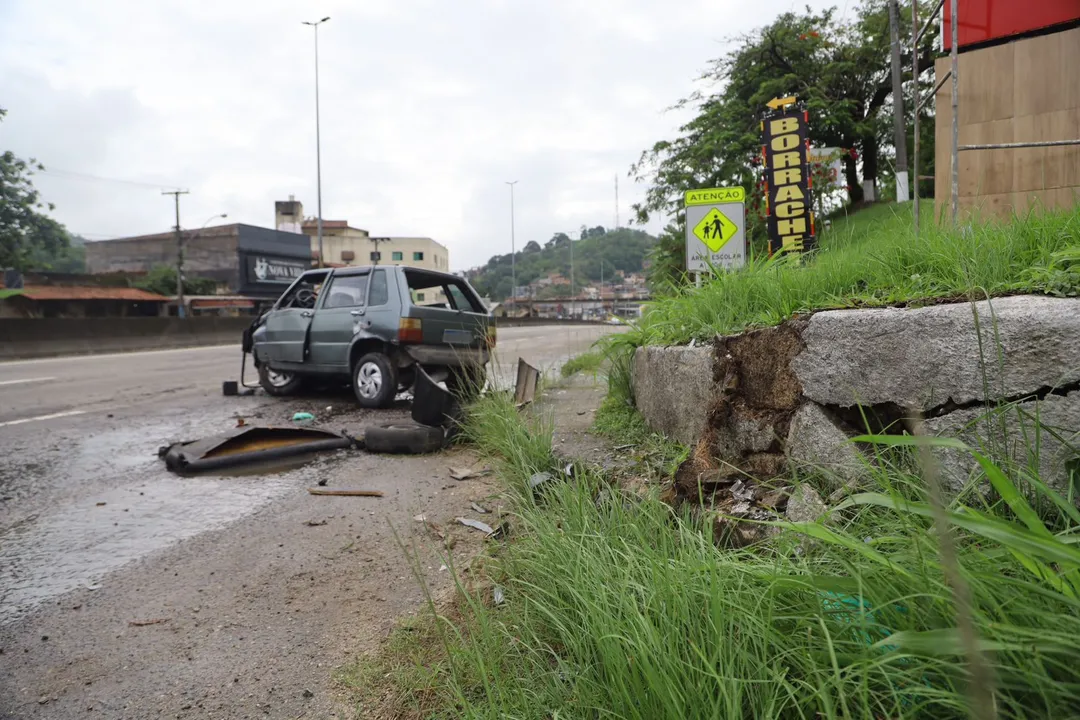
(180, 264)
(513, 251)
(318, 144)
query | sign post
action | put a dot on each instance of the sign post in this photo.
(715, 228)
(786, 153)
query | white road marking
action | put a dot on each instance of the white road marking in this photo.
(27, 380)
(53, 416)
(108, 356)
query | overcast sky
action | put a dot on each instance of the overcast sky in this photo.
(428, 107)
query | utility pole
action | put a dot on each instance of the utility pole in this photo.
(899, 129)
(376, 257)
(572, 293)
(179, 252)
(318, 140)
(513, 251)
(616, 201)
(602, 282)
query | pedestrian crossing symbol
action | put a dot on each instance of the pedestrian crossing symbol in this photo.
(715, 229)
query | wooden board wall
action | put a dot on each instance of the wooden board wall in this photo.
(1026, 90)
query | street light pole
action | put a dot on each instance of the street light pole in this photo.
(318, 142)
(513, 250)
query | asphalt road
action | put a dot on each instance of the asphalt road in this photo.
(256, 606)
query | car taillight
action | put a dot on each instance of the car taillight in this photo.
(410, 330)
(491, 336)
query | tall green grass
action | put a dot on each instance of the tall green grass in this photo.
(620, 607)
(875, 263)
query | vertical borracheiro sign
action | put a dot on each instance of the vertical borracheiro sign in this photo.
(715, 228)
(786, 156)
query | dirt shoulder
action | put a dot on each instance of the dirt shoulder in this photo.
(250, 620)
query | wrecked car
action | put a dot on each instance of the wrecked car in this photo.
(372, 327)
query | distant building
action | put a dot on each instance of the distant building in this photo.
(347, 245)
(60, 295)
(243, 259)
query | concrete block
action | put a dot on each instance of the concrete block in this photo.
(816, 441)
(804, 505)
(935, 356)
(674, 389)
(1011, 434)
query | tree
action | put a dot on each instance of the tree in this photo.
(162, 280)
(840, 69)
(26, 231)
(531, 247)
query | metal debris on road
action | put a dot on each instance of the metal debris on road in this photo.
(345, 492)
(527, 379)
(468, 473)
(479, 508)
(144, 623)
(476, 525)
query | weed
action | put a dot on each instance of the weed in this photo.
(587, 362)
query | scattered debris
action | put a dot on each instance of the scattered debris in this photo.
(241, 422)
(303, 418)
(345, 492)
(315, 523)
(100, 504)
(568, 471)
(420, 518)
(321, 483)
(307, 694)
(468, 473)
(497, 595)
(476, 525)
(479, 508)
(623, 447)
(539, 479)
(582, 412)
(500, 532)
(249, 444)
(525, 387)
(443, 568)
(144, 623)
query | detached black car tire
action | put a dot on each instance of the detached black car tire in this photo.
(404, 439)
(279, 384)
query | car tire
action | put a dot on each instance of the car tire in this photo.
(404, 439)
(277, 383)
(375, 381)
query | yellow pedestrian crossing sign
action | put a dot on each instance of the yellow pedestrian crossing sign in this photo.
(715, 229)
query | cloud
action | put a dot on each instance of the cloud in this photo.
(427, 106)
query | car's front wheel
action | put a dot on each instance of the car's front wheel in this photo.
(278, 383)
(375, 381)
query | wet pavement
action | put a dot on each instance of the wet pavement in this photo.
(90, 517)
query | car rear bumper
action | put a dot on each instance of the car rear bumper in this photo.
(449, 356)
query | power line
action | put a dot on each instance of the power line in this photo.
(97, 178)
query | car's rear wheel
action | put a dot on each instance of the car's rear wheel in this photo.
(277, 382)
(375, 381)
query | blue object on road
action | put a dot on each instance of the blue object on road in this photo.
(303, 418)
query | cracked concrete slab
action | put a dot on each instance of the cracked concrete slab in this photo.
(937, 357)
(1043, 434)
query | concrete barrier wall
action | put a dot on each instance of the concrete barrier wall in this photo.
(22, 338)
(528, 321)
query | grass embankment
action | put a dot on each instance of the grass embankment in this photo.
(872, 259)
(619, 606)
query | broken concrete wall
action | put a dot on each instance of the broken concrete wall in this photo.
(797, 393)
(673, 389)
